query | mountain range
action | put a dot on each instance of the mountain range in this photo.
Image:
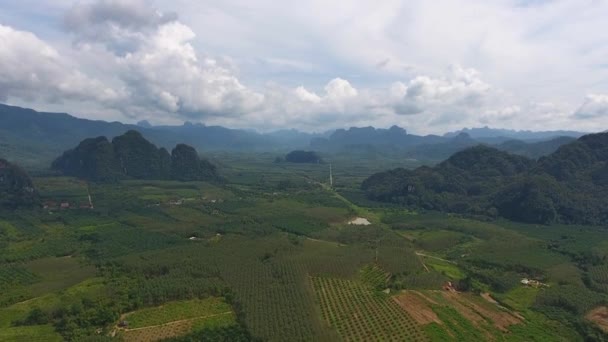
(34, 139)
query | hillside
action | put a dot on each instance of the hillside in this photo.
(131, 156)
(16, 187)
(568, 186)
(536, 149)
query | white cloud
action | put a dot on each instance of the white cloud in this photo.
(595, 106)
(119, 24)
(512, 66)
(493, 116)
(306, 95)
(32, 70)
(462, 89)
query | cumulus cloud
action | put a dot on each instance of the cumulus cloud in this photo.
(119, 24)
(594, 106)
(492, 116)
(137, 59)
(30, 69)
(462, 88)
(153, 58)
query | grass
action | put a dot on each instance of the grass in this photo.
(286, 285)
(446, 268)
(58, 273)
(520, 298)
(178, 328)
(41, 333)
(176, 311)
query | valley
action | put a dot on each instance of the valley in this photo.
(272, 247)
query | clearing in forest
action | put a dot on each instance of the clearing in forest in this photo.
(359, 313)
(359, 221)
(175, 319)
(599, 316)
(457, 314)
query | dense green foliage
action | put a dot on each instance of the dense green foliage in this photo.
(187, 166)
(299, 156)
(274, 242)
(139, 158)
(567, 186)
(131, 156)
(16, 188)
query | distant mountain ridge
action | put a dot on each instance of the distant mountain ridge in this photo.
(34, 138)
(28, 136)
(487, 132)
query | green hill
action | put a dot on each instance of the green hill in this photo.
(131, 156)
(568, 186)
(16, 188)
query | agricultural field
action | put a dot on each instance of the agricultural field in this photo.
(174, 319)
(359, 313)
(268, 254)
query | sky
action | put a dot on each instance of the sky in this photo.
(428, 66)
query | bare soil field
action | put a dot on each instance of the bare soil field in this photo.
(599, 316)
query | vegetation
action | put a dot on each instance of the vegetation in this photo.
(268, 254)
(567, 186)
(360, 314)
(299, 156)
(16, 188)
(131, 156)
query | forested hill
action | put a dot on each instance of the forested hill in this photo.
(131, 156)
(568, 186)
(16, 188)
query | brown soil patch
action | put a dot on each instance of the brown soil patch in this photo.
(417, 307)
(599, 316)
(477, 312)
(489, 298)
(463, 308)
(482, 312)
(428, 299)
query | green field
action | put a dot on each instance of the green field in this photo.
(176, 318)
(268, 254)
(360, 314)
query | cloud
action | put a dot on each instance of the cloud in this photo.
(493, 116)
(30, 69)
(151, 55)
(306, 95)
(462, 88)
(119, 24)
(369, 63)
(594, 106)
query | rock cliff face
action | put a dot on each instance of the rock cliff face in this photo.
(187, 166)
(16, 188)
(131, 156)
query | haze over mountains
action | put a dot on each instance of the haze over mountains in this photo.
(27, 135)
